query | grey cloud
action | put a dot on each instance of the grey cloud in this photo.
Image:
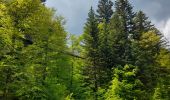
(158, 11)
(155, 9)
(75, 12)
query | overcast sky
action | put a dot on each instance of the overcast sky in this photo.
(75, 12)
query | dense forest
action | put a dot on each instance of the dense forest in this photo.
(121, 55)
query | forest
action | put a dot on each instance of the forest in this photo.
(120, 55)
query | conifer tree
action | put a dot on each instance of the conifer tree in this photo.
(124, 10)
(91, 46)
(122, 28)
(105, 55)
(105, 13)
(105, 10)
(145, 58)
(142, 24)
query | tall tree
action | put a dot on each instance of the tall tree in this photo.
(105, 55)
(144, 52)
(91, 46)
(121, 30)
(105, 10)
(104, 15)
(143, 55)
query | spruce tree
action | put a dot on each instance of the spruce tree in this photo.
(105, 10)
(106, 58)
(104, 15)
(142, 24)
(122, 29)
(125, 13)
(143, 55)
(91, 46)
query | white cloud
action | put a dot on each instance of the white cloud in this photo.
(164, 27)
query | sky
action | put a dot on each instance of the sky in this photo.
(75, 13)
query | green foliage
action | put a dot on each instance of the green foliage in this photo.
(37, 62)
(163, 58)
(125, 85)
(104, 10)
(121, 32)
(106, 58)
(91, 46)
(162, 90)
(69, 97)
(142, 24)
(32, 63)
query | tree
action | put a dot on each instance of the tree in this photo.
(124, 11)
(105, 13)
(125, 85)
(78, 86)
(162, 89)
(121, 31)
(33, 62)
(142, 24)
(106, 58)
(91, 45)
(104, 10)
(144, 52)
(9, 59)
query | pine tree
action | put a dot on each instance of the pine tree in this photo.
(142, 24)
(91, 46)
(122, 28)
(105, 10)
(125, 13)
(105, 55)
(105, 13)
(144, 55)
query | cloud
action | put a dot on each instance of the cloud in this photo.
(155, 9)
(158, 12)
(164, 27)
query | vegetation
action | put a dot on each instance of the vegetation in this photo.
(121, 55)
